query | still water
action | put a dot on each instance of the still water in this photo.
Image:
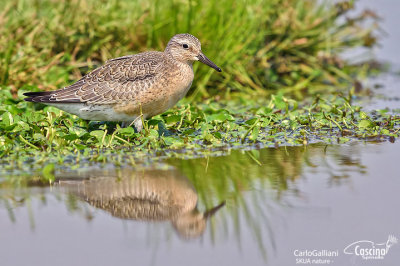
(250, 207)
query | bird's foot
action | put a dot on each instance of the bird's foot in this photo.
(124, 124)
(137, 123)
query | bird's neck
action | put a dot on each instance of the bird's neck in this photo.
(175, 61)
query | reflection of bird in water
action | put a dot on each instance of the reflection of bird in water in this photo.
(147, 195)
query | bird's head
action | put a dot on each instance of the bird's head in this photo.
(186, 48)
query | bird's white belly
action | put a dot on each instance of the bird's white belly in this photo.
(94, 112)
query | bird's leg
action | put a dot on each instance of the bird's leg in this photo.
(139, 120)
(124, 124)
(138, 124)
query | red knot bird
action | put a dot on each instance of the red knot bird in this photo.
(131, 87)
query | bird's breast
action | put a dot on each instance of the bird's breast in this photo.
(162, 95)
(182, 83)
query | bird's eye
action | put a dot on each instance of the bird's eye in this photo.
(185, 46)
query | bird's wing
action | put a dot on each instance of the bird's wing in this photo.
(119, 79)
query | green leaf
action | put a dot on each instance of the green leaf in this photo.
(98, 134)
(363, 115)
(250, 122)
(172, 119)
(220, 117)
(169, 140)
(189, 131)
(217, 135)
(365, 124)
(254, 133)
(153, 133)
(126, 131)
(264, 111)
(7, 119)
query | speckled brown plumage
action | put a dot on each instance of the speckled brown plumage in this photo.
(124, 88)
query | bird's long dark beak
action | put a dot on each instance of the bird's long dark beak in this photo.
(202, 58)
(213, 210)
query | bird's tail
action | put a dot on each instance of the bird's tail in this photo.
(36, 96)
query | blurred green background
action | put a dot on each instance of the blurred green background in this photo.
(262, 46)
